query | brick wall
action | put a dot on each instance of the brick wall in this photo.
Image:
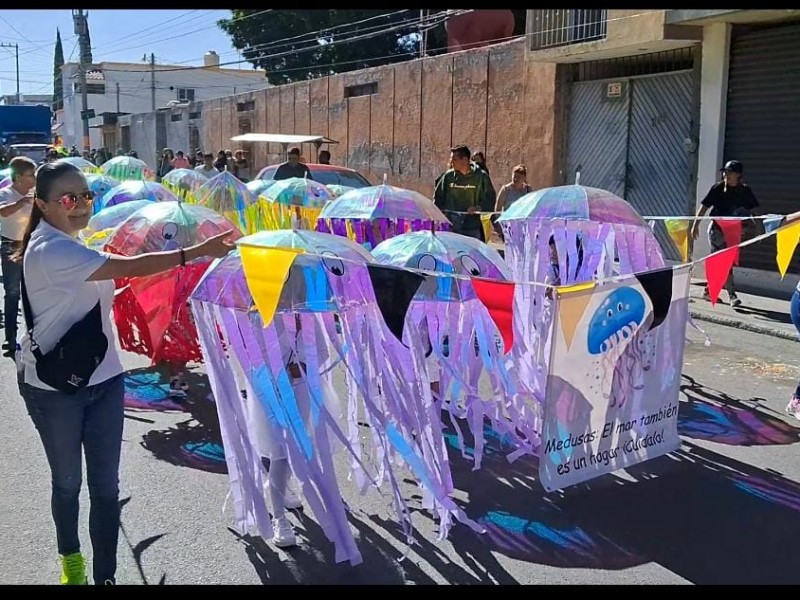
(491, 99)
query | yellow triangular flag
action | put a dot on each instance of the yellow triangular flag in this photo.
(265, 270)
(571, 307)
(786, 238)
(678, 230)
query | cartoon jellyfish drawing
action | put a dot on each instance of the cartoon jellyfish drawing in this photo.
(613, 329)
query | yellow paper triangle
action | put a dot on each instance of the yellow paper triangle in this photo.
(678, 230)
(786, 240)
(265, 270)
(571, 308)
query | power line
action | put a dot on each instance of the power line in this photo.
(434, 20)
(184, 34)
(152, 30)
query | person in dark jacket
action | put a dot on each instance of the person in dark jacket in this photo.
(463, 190)
(292, 167)
(730, 197)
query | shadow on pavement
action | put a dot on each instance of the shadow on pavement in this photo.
(711, 415)
(196, 442)
(312, 561)
(147, 389)
(708, 518)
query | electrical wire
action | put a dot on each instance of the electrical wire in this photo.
(440, 18)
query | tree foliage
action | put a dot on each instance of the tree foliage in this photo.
(319, 51)
(58, 62)
(303, 44)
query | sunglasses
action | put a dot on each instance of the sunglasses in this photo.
(70, 201)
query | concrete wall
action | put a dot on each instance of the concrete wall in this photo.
(492, 99)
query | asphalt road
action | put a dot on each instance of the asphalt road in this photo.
(722, 509)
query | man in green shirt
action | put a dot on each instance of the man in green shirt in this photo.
(463, 190)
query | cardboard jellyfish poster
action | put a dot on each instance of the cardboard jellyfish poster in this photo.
(620, 406)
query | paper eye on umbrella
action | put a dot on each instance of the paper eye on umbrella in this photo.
(427, 262)
(169, 231)
(470, 265)
(333, 263)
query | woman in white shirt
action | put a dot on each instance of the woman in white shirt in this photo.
(63, 281)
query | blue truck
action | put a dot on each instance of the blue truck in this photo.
(25, 124)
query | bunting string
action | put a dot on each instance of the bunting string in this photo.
(714, 256)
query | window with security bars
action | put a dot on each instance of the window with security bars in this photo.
(550, 28)
(186, 94)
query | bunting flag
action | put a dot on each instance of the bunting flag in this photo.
(718, 266)
(786, 241)
(571, 307)
(266, 270)
(658, 286)
(678, 230)
(394, 289)
(732, 232)
(498, 298)
(772, 222)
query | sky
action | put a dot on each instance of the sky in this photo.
(123, 35)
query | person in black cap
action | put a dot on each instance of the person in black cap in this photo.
(730, 197)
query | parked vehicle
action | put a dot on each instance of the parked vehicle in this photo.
(326, 175)
(25, 124)
(35, 152)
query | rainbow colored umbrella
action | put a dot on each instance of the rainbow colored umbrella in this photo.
(100, 184)
(103, 223)
(227, 195)
(372, 214)
(124, 168)
(573, 202)
(184, 182)
(128, 191)
(257, 187)
(294, 203)
(151, 312)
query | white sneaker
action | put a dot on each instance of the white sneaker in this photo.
(283, 533)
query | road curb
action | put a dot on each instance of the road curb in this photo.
(735, 323)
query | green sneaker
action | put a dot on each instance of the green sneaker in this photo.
(73, 569)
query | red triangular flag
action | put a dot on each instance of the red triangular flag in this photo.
(718, 266)
(498, 298)
(732, 232)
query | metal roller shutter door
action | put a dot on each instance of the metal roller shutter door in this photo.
(763, 125)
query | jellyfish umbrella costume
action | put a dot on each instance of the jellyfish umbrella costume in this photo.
(184, 183)
(372, 214)
(103, 224)
(125, 168)
(100, 185)
(81, 164)
(461, 337)
(258, 187)
(128, 191)
(294, 203)
(564, 236)
(151, 313)
(320, 304)
(227, 195)
(5, 182)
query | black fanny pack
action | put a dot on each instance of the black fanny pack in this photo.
(69, 366)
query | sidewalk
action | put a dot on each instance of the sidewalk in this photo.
(759, 314)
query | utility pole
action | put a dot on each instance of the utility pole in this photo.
(118, 97)
(16, 50)
(82, 31)
(153, 81)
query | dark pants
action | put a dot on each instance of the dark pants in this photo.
(91, 421)
(794, 312)
(12, 274)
